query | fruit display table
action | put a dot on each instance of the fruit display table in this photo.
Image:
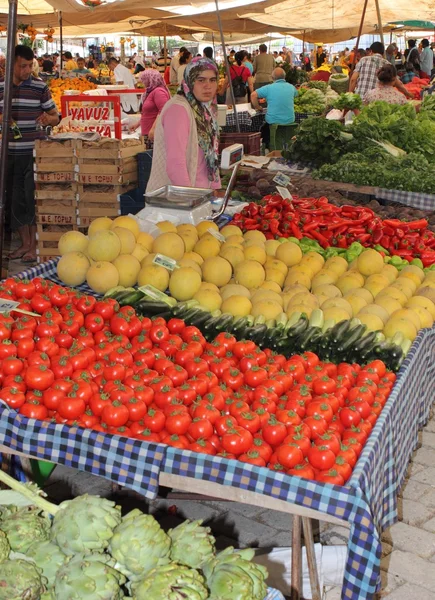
(367, 503)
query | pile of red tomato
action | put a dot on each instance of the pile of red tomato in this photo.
(88, 363)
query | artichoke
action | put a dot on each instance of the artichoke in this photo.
(20, 580)
(139, 544)
(89, 577)
(24, 527)
(171, 582)
(4, 547)
(6, 510)
(192, 544)
(48, 557)
(232, 576)
(85, 524)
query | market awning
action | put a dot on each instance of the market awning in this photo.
(329, 17)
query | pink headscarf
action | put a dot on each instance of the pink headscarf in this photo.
(151, 79)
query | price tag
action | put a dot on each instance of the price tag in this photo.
(281, 179)
(164, 261)
(216, 234)
(7, 305)
(284, 193)
(154, 293)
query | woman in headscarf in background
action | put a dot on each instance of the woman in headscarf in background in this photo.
(186, 138)
(154, 98)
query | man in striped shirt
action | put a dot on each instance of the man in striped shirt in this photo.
(32, 108)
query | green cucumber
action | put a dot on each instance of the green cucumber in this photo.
(131, 298)
(151, 307)
(113, 292)
(191, 314)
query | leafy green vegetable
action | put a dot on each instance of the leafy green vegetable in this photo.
(318, 85)
(318, 141)
(348, 101)
(310, 101)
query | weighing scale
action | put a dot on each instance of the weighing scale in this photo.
(188, 204)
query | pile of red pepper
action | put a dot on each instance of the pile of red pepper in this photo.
(338, 226)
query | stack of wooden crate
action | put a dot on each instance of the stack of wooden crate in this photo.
(55, 194)
(104, 170)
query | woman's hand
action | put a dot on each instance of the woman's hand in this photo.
(151, 132)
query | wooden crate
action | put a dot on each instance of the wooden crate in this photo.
(114, 149)
(55, 177)
(48, 235)
(54, 149)
(53, 193)
(54, 164)
(111, 166)
(114, 179)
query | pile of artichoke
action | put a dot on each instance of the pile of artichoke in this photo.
(84, 549)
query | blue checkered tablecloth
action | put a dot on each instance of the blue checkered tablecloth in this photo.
(246, 122)
(415, 199)
(368, 503)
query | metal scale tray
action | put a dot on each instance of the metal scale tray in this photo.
(177, 197)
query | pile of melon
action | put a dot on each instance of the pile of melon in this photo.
(247, 274)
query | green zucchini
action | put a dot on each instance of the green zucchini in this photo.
(350, 339)
(281, 320)
(113, 292)
(308, 334)
(256, 333)
(292, 320)
(183, 306)
(131, 298)
(151, 307)
(298, 328)
(201, 319)
(337, 333)
(316, 318)
(224, 322)
(239, 324)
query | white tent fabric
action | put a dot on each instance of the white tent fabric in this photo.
(331, 15)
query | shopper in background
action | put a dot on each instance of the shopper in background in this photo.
(280, 102)
(175, 63)
(186, 135)
(426, 58)
(81, 69)
(241, 80)
(90, 64)
(409, 75)
(385, 89)
(32, 108)
(69, 63)
(184, 60)
(364, 78)
(153, 100)
(163, 62)
(390, 54)
(264, 64)
(232, 56)
(412, 55)
(320, 57)
(208, 52)
(247, 62)
(129, 102)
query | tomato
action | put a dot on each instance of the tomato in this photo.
(252, 457)
(274, 432)
(38, 377)
(329, 440)
(71, 406)
(289, 455)
(255, 376)
(241, 349)
(330, 476)
(274, 464)
(16, 381)
(356, 446)
(62, 367)
(362, 407)
(176, 325)
(205, 411)
(321, 457)
(249, 420)
(317, 424)
(176, 441)
(324, 385)
(263, 448)
(288, 417)
(300, 439)
(34, 410)
(178, 422)
(236, 408)
(200, 429)
(40, 303)
(202, 446)
(115, 414)
(58, 296)
(304, 470)
(52, 397)
(12, 366)
(7, 348)
(237, 440)
(362, 392)
(323, 409)
(342, 467)
(137, 409)
(349, 416)
(25, 289)
(14, 397)
(48, 346)
(348, 454)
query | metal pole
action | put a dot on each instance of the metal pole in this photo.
(227, 66)
(378, 11)
(165, 50)
(61, 39)
(214, 47)
(361, 25)
(7, 104)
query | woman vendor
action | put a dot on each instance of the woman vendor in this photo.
(385, 89)
(154, 98)
(186, 133)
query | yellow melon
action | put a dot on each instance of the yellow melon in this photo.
(170, 244)
(72, 268)
(153, 275)
(128, 223)
(216, 270)
(128, 269)
(72, 241)
(104, 245)
(184, 283)
(102, 276)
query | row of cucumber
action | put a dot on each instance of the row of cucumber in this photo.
(346, 341)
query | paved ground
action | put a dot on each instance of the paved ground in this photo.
(408, 570)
